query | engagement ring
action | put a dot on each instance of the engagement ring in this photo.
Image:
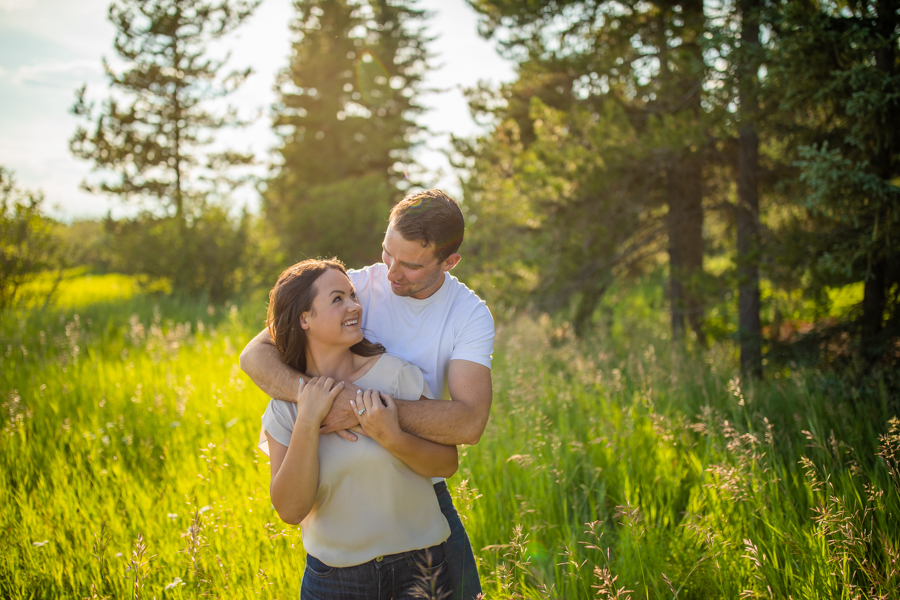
(360, 412)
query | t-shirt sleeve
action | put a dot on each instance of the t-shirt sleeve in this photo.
(475, 338)
(411, 384)
(278, 420)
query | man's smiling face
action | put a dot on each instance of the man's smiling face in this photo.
(413, 269)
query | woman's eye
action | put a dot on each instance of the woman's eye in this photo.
(336, 299)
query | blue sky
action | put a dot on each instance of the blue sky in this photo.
(49, 48)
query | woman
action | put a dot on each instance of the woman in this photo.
(372, 527)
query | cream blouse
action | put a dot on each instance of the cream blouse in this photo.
(368, 503)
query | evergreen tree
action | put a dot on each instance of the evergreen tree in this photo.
(835, 75)
(345, 115)
(150, 131)
(648, 59)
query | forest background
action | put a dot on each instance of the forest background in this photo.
(683, 215)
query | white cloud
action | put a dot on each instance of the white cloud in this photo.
(51, 73)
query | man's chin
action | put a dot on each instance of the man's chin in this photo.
(401, 290)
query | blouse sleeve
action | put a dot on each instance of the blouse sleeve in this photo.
(278, 420)
(411, 384)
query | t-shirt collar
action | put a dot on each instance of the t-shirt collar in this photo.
(440, 293)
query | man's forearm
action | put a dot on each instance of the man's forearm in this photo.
(262, 363)
(450, 423)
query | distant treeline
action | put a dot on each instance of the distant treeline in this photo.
(747, 150)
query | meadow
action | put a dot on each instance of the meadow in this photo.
(613, 467)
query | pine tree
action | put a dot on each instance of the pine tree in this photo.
(835, 75)
(647, 58)
(150, 138)
(345, 116)
(150, 131)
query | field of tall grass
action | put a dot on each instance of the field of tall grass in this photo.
(615, 467)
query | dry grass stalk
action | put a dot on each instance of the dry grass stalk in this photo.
(138, 567)
(426, 586)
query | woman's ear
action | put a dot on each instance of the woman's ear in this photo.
(303, 324)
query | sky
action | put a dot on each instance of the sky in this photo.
(49, 48)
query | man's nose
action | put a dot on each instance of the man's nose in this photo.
(393, 273)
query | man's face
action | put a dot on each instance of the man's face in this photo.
(413, 270)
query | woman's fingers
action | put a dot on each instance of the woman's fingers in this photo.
(366, 400)
(335, 391)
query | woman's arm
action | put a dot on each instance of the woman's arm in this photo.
(295, 468)
(380, 421)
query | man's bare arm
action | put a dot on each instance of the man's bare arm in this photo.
(263, 364)
(460, 421)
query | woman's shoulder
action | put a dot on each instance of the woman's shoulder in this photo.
(394, 375)
(388, 365)
(392, 361)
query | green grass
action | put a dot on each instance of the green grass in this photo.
(612, 467)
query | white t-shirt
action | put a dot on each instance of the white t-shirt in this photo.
(368, 502)
(451, 324)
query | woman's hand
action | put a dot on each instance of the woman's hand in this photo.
(379, 417)
(315, 400)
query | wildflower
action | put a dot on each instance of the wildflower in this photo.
(172, 515)
(39, 544)
(175, 583)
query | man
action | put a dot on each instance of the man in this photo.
(417, 310)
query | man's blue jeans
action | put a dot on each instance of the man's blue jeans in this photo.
(393, 577)
(460, 560)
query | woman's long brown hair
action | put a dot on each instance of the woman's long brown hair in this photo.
(293, 295)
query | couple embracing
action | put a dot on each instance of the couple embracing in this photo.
(358, 436)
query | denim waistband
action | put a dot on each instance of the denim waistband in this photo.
(388, 558)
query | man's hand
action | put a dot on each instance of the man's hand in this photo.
(341, 418)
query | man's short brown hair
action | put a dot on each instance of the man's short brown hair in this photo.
(430, 217)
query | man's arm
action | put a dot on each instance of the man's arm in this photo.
(460, 421)
(264, 365)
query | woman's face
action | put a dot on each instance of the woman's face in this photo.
(335, 316)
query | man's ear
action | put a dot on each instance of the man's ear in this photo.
(450, 262)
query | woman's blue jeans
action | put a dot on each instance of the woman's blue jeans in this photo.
(404, 576)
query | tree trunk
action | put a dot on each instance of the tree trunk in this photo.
(685, 183)
(875, 289)
(685, 224)
(747, 214)
(874, 302)
(586, 306)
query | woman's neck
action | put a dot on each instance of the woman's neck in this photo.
(338, 363)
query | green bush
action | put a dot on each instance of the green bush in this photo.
(28, 245)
